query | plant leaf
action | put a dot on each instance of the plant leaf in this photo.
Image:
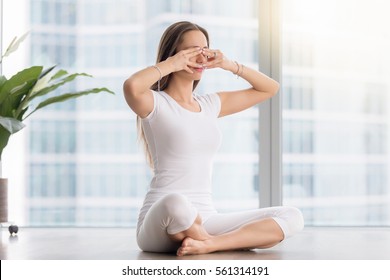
(9, 46)
(28, 74)
(59, 74)
(15, 44)
(11, 125)
(47, 71)
(67, 96)
(54, 86)
(4, 137)
(16, 88)
(42, 81)
(3, 79)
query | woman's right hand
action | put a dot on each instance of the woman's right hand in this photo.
(183, 60)
(137, 87)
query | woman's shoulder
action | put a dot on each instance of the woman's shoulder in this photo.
(160, 97)
(158, 101)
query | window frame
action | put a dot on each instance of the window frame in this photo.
(270, 118)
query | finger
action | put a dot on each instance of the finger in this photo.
(193, 51)
(214, 63)
(210, 65)
(194, 64)
(187, 69)
(189, 53)
(212, 54)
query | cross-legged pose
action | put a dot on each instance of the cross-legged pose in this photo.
(181, 137)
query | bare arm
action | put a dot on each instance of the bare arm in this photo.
(137, 87)
(263, 87)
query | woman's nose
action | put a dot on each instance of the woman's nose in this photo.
(201, 58)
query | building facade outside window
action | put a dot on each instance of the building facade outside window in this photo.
(81, 162)
(84, 165)
(336, 101)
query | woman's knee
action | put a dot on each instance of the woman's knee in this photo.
(294, 218)
(173, 204)
(179, 211)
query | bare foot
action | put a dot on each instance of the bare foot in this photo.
(191, 246)
(196, 231)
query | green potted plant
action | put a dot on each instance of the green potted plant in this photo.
(16, 103)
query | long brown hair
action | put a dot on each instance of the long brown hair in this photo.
(169, 42)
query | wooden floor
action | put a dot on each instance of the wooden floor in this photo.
(119, 244)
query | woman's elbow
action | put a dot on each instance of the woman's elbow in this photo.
(270, 91)
(129, 87)
(275, 88)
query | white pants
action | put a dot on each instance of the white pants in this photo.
(173, 213)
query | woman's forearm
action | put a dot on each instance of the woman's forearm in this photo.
(142, 80)
(259, 81)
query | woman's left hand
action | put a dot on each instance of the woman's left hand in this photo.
(216, 59)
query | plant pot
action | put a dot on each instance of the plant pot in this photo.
(3, 200)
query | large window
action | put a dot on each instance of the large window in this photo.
(81, 164)
(336, 103)
(78, 163)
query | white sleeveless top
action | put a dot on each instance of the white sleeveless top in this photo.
(182, 144)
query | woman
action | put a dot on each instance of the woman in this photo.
(181, 138)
